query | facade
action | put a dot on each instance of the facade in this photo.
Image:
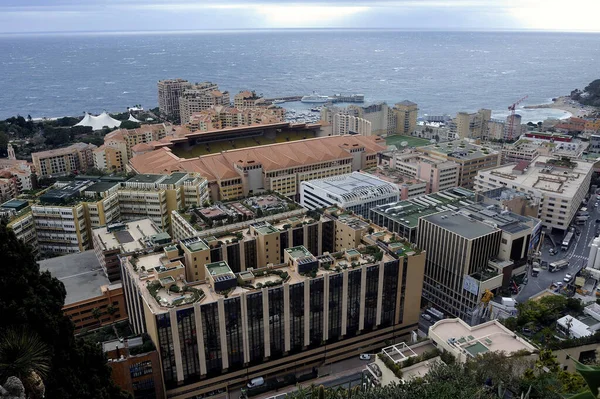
(559, 185)
(473, 126)
(63, 161)
(8, 186)
(277, 167)
(226, 117)
(169, 92)
(594, 147)
(117, 239)
(91, 301)
(247, 99)
(19, 171)
(379, 115)
(348, 124)
(471, 251)
(356, 192)
(471, 158)
(308, 310)
(197, 100)
(406, 113)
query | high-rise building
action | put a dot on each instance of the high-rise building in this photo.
(406, 117)
(473, 126)
(77, 157)
(348, 124)
(199, 99)
(247, 99)
(308, 309)
(169, 92)
(560, 185)
(357, 192)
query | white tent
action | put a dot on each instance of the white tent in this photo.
(132, 119)
(99, 122)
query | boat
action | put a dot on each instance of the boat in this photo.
(314, 98)
(278, 101)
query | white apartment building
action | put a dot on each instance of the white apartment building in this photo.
(559, 184)
(348, 124)
(61, 229)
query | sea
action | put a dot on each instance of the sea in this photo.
(53, 75)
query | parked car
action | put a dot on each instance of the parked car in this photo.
(427, 317)
(527, 332)
(558, 283)
(568, 277)
(256, 382)
(365, 356)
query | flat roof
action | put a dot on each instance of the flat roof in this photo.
(218, 268)
(129, 238)
(174, 178)
(354, 186)
(81, 273)
(264, 228)
(194, 244)
(298, 252)
(507, 221)
(460, 150)
(14, 204)
(145, 178)
(102, 186)
(460, 224)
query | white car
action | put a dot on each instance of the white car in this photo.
(427, 317)
(558, 283)
(567, 278)
(365, 356)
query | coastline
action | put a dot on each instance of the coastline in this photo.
(564, 103)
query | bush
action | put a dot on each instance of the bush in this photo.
(174, 288)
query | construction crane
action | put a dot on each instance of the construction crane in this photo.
(511, 120)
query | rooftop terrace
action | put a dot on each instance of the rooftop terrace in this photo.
(459, 150)
(129, 237)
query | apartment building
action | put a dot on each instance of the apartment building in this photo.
(471, 251)
(21, 222)
(471, 158)
(379, 115)
(77, 157)
(560, 185)
(169, 92)
(406, 113)
(592, 126)
(196, 100)
(217, 118)
(356, 192)
(473, 126)
(8, 186)
(348, 124)
(439, 174)
(311, 309)
(277, 167)
(92, 300)
(402, 217)
(18, 170)
(247, 99)
(117, 239)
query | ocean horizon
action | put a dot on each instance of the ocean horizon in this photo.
(53, 75)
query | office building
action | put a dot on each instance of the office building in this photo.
(117, 239)
(439, 174)
(560, 185)
(309, 310)
(92, 300)
(77, 157)
(406, 113)
(357, 192)
(348, 124)
(402, 217)
(169, 92)
(470, 251)
(472, 126)
(278, 167)
(471, 158)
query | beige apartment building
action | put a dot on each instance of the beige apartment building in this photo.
(472, 126)
(77, 157)
(406, 113)
(347, 124)
(276, 167)
(247, 99)
(309, 309)
(169, 92)
(560, 185)
(220, 117)
(471, 158)
(197, 100)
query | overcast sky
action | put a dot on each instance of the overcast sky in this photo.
(17, 16)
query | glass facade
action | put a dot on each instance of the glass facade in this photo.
(312, 242)
(403, 289)
(353, 312)
(250, 257)
(371, 297)
(186, 325)
(284, 242)
(328, 236)
(390, 292)
(317, 296)
(298, 236)
(167, 353)
(233, 258)
(256, 340)
(212, 339)
(296, 317)
(216, 254)
(276, 324)
(336, 283)
(233, 328)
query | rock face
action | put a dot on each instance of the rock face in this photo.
(13, 389)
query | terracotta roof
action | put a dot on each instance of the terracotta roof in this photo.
(272, 157)
(521, 166)
(142, 147)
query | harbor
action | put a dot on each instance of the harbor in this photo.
(316, 99)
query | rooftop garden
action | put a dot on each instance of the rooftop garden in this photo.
(162, 295)
(562, 162)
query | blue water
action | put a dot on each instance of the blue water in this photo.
(443, 72)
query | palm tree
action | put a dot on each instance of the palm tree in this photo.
(25, 356)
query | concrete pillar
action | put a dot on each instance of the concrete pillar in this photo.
(200, 338)
(223, 333)
(379, 294)
(176, 344)
(344, 301)
(266, 332)
(286, 316)
(363, 295)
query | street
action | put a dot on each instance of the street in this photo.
(577, 255)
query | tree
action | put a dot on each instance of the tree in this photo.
(129, 125)
(3, 144)
(193, 218)
(111, 310)
(33, 301)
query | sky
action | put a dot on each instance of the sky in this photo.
(22, 16)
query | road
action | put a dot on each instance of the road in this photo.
(577, 255)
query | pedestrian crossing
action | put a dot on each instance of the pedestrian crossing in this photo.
(573, 257)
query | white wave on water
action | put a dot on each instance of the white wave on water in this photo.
(109, 83)
(509, 72)
(125, 92)
(82, 88)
